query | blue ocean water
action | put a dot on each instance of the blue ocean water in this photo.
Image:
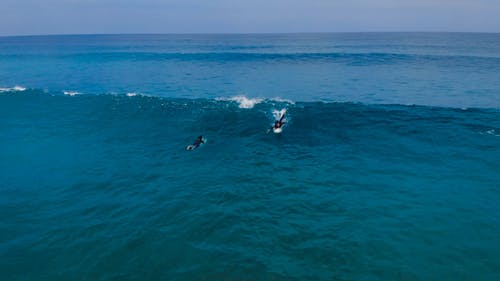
(387, 168)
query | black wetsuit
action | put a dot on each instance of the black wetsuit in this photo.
(198, 142)
(279, 123)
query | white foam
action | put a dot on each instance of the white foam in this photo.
(243, 102)
(19, 88)
(71, 93)
(493, 133)
(135, 94)
(278, 99)
(13, 89)
(279, 113)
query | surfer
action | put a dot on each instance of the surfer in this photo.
(278, 123)
(199, 140)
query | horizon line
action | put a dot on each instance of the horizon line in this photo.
(241, 33)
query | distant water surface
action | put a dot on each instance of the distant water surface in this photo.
(438, 69)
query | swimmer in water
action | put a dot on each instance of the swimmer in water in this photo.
(196, 143)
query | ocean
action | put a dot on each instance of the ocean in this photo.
(387, 167)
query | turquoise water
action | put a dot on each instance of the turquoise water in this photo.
(387, 169)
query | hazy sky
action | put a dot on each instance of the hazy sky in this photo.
(20, 17)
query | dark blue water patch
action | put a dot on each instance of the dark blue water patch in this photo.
(101, 187)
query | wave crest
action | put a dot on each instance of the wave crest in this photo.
(71, 93)
(243, 102)
(13, 89)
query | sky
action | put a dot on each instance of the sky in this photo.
(36, 17)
